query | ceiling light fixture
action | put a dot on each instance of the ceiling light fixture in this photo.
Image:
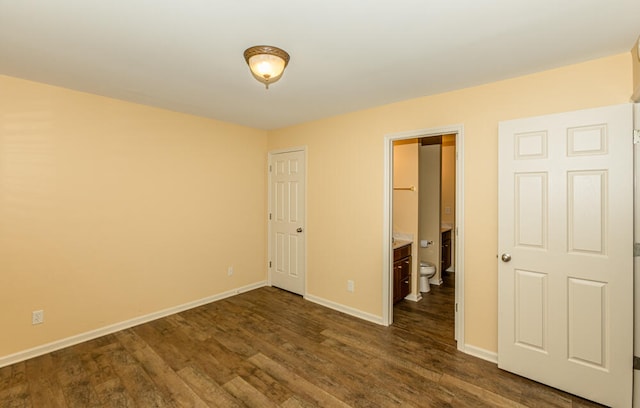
(267, 63)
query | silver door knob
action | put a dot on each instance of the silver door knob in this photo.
(299, 229)
(505, 257)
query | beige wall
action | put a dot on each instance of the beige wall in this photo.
(430, 205)
(448, 197)
(346, 171)
(111, 210)
(405, 202)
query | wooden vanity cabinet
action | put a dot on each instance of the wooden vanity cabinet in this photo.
(445, 258)
(401, 272)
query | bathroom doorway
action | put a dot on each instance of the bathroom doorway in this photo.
(437, 238)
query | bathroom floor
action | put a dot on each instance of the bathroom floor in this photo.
(436, 309)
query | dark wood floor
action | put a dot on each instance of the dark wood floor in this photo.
(270, 348)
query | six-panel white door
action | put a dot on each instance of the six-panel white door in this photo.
(565, 296)
(287, 214)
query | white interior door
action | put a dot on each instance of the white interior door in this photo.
(287, 215)
(566, 223)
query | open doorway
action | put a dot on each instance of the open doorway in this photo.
(443, 246)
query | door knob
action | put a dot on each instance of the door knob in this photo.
(299, 229)
(505, 257)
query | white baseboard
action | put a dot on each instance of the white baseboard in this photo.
(414, 297)
(93, 334)
(345, 309)
(435, 281)
(487, 355)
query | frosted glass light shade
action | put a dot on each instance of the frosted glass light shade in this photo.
(267, 63)
(266, 66)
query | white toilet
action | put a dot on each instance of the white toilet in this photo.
(427, 270)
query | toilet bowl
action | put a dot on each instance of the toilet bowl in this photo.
(427, 270)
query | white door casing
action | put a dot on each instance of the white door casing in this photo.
(565, 298)
(286, 225)
(387, 219)
(636, 263)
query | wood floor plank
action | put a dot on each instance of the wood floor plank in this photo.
(165, 379)
(136, 381)
(15, 396)
(167, 340)
(45, 390)
(303, 388)
(295, 402)
(112, 393)
(327, 373)
(459, 388)
(416, 382)
(74, 380)
(275, 390)
(278, 344)
(244, 392)
(13, 375)
(207, 389)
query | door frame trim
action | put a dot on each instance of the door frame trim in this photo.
(270, 155)
(387, 227)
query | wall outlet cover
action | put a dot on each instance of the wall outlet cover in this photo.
(37, 317)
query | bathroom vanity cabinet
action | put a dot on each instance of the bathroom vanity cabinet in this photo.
(401, 272)
(445, 258)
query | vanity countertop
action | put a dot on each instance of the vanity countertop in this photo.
(399, 243)
(445, 226)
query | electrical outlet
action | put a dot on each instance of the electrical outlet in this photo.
(447, 210)
(350, 286)
(230, 271)
(37, 317)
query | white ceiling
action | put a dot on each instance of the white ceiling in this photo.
(346, 55)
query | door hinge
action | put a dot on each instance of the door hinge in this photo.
(636, 363)
(269, 264)
(636, 136)
(456, 308)
(269, 215)
(636, 249)
(270, 168)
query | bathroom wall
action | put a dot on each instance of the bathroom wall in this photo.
(448, 198)
(430, 205)
(448, 188)
(405, 203)
(635, 58)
